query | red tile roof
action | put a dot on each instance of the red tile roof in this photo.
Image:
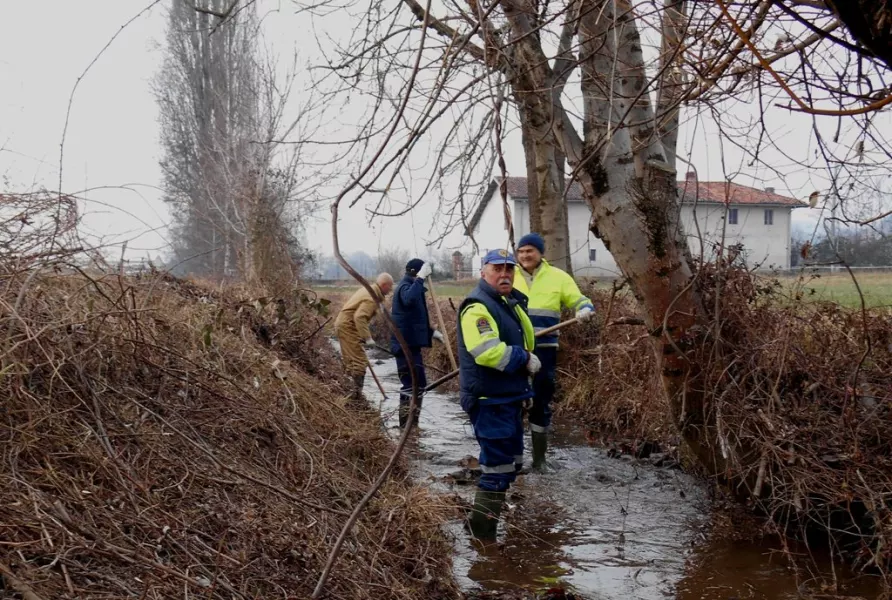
(517, 188)
(707, 192)
(720, 192)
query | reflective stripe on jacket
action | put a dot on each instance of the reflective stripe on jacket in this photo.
(495, 336)
(551, 289)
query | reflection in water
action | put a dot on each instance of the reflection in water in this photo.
(729, 569)
(531, 554)
(603, 527)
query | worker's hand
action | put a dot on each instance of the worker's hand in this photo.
(438, 336)
(533, 364)
(528, 404)
(584, 314)
(370, 343)
(424, 271)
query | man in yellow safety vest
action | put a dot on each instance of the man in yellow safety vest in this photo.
(548, 289)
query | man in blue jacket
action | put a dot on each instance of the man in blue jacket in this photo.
(496, 361)
(410, 315)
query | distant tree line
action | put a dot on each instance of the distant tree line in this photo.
(237, 200)
(390, 260)
(866, 246)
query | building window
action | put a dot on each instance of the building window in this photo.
(769, 216)
(592, 254)
(732, 216)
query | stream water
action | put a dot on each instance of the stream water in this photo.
(604, 528)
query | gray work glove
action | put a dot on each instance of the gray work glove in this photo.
(370, 343)
(584, 314)
(425, 270)
(533, 364)
(438, 336)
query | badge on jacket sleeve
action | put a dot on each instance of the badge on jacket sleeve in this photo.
(483, 326)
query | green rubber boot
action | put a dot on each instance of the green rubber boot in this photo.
(540, 447)
(484, 519)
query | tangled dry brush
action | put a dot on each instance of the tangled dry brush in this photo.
(799, 400)
(162, 439)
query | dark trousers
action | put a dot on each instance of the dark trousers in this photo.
(404, 367)
(499, 431)
(543, 390)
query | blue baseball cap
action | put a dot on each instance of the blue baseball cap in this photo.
(498, 257)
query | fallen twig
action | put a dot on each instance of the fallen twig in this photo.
(18, 585)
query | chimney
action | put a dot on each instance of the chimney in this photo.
(457, 264)
(770, 190)
(690, 176)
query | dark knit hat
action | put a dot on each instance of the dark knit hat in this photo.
(414, 265)
(532, 239)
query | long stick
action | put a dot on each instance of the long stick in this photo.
(375, 377)
(554, 328)
(545, 331)
(383, 349)
(413, 402)
(430, 285)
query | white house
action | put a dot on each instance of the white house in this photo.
(759, 220)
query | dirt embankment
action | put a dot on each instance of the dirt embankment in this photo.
(162, 438)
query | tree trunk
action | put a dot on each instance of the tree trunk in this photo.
(545, 185)
(529, 154)
(870, 22)
(631, 187)
(550, 185)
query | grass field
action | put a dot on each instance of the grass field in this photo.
(839, 287)
(830, 287)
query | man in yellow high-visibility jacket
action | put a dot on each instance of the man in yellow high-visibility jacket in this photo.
(548, 289)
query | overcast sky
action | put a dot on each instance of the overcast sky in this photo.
(112, 135)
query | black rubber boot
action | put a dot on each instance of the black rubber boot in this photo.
(540, 447)
(358, 382)
(404, 411)
(484, 519)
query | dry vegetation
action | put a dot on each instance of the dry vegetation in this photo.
(163, 439)
(606, 376)
(799, 399)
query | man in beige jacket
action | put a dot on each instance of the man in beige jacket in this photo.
(352, 328)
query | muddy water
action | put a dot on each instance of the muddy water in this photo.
(605, 528)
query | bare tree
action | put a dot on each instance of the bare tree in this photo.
(586, 91)
(870, 22)
(238, 200)
(600, 86)
(393, 261)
